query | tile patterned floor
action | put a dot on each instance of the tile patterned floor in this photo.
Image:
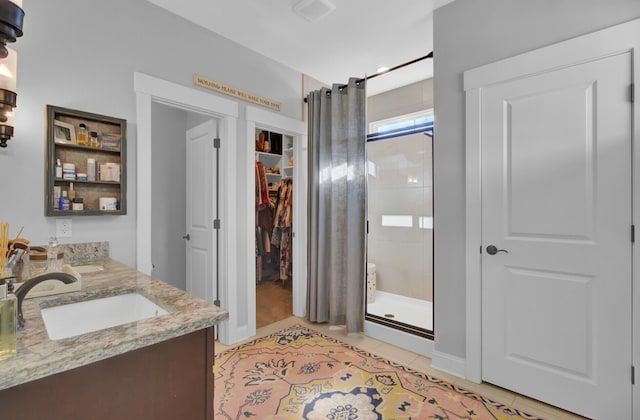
(421, 363)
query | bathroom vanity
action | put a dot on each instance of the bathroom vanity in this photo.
(155, 368)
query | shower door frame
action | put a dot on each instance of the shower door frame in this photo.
(397, 325)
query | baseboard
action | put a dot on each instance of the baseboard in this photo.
(411, 342)
(231, 337)
(449, 364)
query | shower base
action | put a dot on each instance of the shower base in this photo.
(416, 312)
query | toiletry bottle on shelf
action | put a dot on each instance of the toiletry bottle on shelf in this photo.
(71, 194)
(93, 139)
(83, 135)
(8, 322)
(77, 204)
(57, 192)
(64, 201)
(91, 169)
(58, 169)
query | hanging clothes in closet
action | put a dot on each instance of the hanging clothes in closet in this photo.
(282, 232)
(264, 219)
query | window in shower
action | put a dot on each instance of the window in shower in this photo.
(400, 228)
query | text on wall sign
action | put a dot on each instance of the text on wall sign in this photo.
(235, 92)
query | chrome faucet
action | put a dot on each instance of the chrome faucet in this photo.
(34, 281)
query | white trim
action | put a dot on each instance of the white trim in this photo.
(183, 97)
(230, 331)
(274, 121)
(143, 168)
(411, 342)
(148, 90)
(258, 117)
(635, 182)
(597, 45)
(447, 363)
(300, 223)
(473, 267)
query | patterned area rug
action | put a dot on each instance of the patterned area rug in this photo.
(299, 373)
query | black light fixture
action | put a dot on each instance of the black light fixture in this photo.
(11, 18)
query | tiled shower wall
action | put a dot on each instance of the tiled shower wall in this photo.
(402, 186)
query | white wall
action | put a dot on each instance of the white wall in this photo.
(414, 97)
(82, 55)
(467, 34)
(168, 194)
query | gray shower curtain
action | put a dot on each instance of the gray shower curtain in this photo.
(337, 208)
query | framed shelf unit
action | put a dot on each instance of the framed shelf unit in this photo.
(109, 155)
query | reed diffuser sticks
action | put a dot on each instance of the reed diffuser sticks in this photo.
(4, 244)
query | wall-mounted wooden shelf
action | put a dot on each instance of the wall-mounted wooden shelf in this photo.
(112, 133)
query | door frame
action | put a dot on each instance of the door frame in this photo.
(260, 118)
(149, 89)
(607, 42)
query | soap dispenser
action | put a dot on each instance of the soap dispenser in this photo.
(8, 322)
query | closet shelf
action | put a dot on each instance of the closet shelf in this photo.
(265, 154)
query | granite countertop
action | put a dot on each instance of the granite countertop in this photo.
(38, 356)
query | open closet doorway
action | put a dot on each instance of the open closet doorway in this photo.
(273, 226)
(277, 217)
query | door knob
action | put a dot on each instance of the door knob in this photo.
(492, 250)
(187, 237)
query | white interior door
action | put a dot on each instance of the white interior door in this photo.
(556, 194)
(201, 204)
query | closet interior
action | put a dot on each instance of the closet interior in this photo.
(274, 219)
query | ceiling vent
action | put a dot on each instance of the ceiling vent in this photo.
(314, 10)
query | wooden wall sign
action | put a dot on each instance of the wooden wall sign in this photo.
(235, 92)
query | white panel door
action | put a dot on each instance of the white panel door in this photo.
(556, 194)
(201, 197)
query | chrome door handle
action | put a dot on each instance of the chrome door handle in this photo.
(492, 250)
(187, 237)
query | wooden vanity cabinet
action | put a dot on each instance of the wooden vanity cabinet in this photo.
(169, 380)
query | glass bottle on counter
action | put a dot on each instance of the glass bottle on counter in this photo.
(82, 138)
(8, 322)
(54, 262)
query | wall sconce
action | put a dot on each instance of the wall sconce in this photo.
(8, 96)
(11, 18)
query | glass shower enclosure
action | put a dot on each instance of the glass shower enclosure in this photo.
(400, 224)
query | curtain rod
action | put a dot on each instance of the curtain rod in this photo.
(399, 66)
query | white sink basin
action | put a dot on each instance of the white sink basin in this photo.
(92, 315)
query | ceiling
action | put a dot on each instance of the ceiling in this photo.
(357, 38)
